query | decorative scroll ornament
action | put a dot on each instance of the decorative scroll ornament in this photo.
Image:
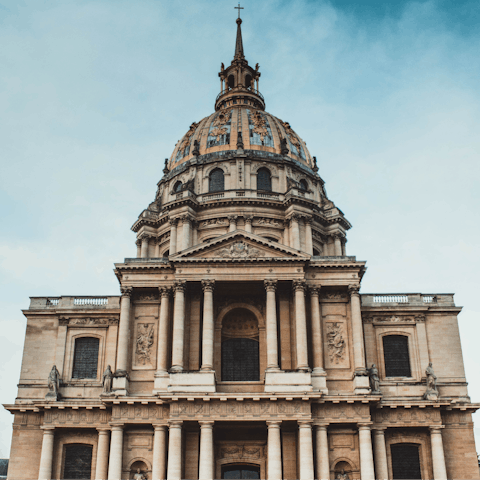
(188, 136)
(335, 341)
(241, 451)
(219, 124)
(267, 221)
(259, 125)
(144, 342)
(240, 250)
(291, 134)
(214, 221)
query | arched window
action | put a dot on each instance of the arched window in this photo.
(303, 185)
(85, 358)
(216, 181)
(396, 357)
(78, 462)
(166, 253)
(178, 187)
(240, 347)
(264, 180)
(241, 471)
(231, 81)
(248, 81)
(405, 461)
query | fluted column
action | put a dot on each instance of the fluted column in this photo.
(123, 331)
(163, 328)
(205, 471)
(159, 463)
(174, 469)
(271, 325)
(308, 236)
(186, 232)
(380, 450)
(301, 325)
(274, 456)
(438, 455)
(306, 450)
(322, 463)
(46, 457)
(366, 453)
(317, 337)
(116, 453)
(248, 224)
(294, 232)
(208, 326)
(357, 329)
(173, 235)
(178, 326)
(101, 470)
(232, 219)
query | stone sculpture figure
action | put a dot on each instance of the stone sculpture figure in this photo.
(341, 475)
(107, 380)
(432, 392)
(283, 147)
(374, 379)
(139, 475)
(53, 384)
(196, 148)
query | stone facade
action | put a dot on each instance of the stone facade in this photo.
(240, 339)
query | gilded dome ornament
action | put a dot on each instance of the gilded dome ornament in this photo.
(291, 135)
(260, 125)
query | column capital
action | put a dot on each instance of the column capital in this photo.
(305, 423)
(145, 237)
(173, 221)
(314, 290)
(338, 235)
(186, 219)
(295, 217)
(354, 290)
(378, 429)
(208, 424)
(435, 429)
(273, 423)
(248, 219)
(364, 426)
(299, 285)
(158, 428)
(103, 430)
(126, 291)
(164, 291)
(321, 426)
(180, 286)
(270, 284)
(117, 428)
(138, 242)
(308, 219)
(208, 285)
(232, 218)
(48, 430)
(175, 423)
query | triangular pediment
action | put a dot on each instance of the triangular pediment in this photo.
(240, 245)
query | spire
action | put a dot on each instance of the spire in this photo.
(239, 44)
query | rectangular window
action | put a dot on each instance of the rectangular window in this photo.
(406, 462)
(78, 462)
(85, 359)
(395, 353)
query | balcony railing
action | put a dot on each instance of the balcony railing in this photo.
(417, 299)
(75, 302)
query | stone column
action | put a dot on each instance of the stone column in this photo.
(308, 236)
(138, 243)
(194, 233)
(438, 455)
(286, 233)
(344, 246)
(322, 463)
(271, 326)
(248, 224)
(366, 453)
(357, 330)
(173, 235)
(45, 470)
(294, 232)
(159, 463)
(178, 326)
(157, 247)
(116, 453)
(162, 343)
(274, 455)
(186, 231)
(101, 470)
(232, 219)
(381, 468)
(306, 450)
(337, 239)
(174, 470)
(301, 325)
(317, 337)
(145, 242)
(123, 331)
(208, 326)
(206, 470)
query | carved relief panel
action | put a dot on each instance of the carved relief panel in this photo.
(144, 354)
(336, 345)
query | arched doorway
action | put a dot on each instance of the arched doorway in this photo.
(241, 471)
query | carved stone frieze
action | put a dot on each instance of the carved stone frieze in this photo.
(246, 410)
(87, 322)
(144, 343)
(266, 221)
(241, 451)
(341, 412)
(335, 342)
(239, 250)
(334, 296)
(213, 221)
(147, 297)
(79, 418)
(407, 416)
(380, 319)
(138, 413)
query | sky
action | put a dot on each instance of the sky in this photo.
(95, 94)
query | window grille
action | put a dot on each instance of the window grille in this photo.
(78, 462)
(405, 461)
(264, 180)
(216, 181)
(395, 352)
(240, 360)
(240, 471)
(85, 359)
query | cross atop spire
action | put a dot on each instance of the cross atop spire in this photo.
(239, 43)
(239, 8)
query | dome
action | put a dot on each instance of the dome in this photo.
(244, 126)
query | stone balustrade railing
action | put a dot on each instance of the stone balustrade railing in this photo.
(75, 302)
(414, 299)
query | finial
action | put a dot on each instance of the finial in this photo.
(239, 43)
(166, 169)
(239, 8)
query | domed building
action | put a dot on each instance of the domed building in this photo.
(240, 346)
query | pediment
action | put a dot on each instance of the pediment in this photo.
(240, 245)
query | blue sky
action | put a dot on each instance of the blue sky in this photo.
(95, 94)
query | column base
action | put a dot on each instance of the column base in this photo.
(202, 382)
(120, 386)
(361, 385)
(161, 382)
(280, 382)
(319, 381)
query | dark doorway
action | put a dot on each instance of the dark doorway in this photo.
(405, 462)
(241, 471)
(397, 358)
(78, 462)
(240, 362)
